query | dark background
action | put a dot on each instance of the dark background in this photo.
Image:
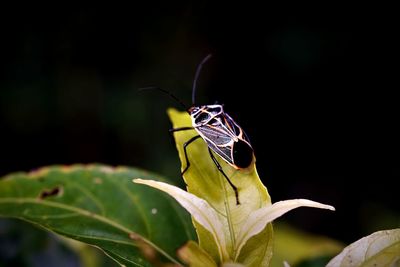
(311, 86)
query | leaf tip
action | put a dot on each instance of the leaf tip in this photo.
(329, 207)
(312, 204)
(172, 111)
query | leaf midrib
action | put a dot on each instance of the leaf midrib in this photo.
(87, 214)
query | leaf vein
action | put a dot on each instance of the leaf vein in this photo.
(134, 200)
(87, 214)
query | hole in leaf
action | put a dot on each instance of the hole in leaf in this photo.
(53, 192)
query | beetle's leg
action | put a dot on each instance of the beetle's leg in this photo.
(226, 177)
(180, 129)
(185, 145)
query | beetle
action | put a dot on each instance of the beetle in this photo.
(222, 134)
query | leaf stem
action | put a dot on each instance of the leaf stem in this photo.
(223, 182)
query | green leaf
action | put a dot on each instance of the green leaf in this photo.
(258, 250)
(295, 246)
(378, 249)
(205, 181)
(89, 256)
(195, 256)
(99, 205)
(259, 218)
(200, 210)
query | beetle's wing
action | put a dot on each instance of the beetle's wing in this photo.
(235, 128)
(218, 140)
(215, 134)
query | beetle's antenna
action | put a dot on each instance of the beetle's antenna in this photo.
(167, 93)
(197, 76)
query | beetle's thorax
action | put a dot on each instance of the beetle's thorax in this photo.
(204, 114)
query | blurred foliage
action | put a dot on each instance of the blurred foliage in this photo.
(20, 247)
(23, 245)
(302, 249)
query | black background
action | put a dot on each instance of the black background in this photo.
(311, 85)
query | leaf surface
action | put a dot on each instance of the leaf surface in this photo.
(99, 205)
(204, 180)
(381, 248)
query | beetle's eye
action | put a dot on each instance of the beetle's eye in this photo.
(202, 117)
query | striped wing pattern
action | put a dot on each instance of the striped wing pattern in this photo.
(220, 132)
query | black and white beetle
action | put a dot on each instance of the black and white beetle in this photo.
(222, 134)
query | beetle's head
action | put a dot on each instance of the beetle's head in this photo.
(203, 114)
